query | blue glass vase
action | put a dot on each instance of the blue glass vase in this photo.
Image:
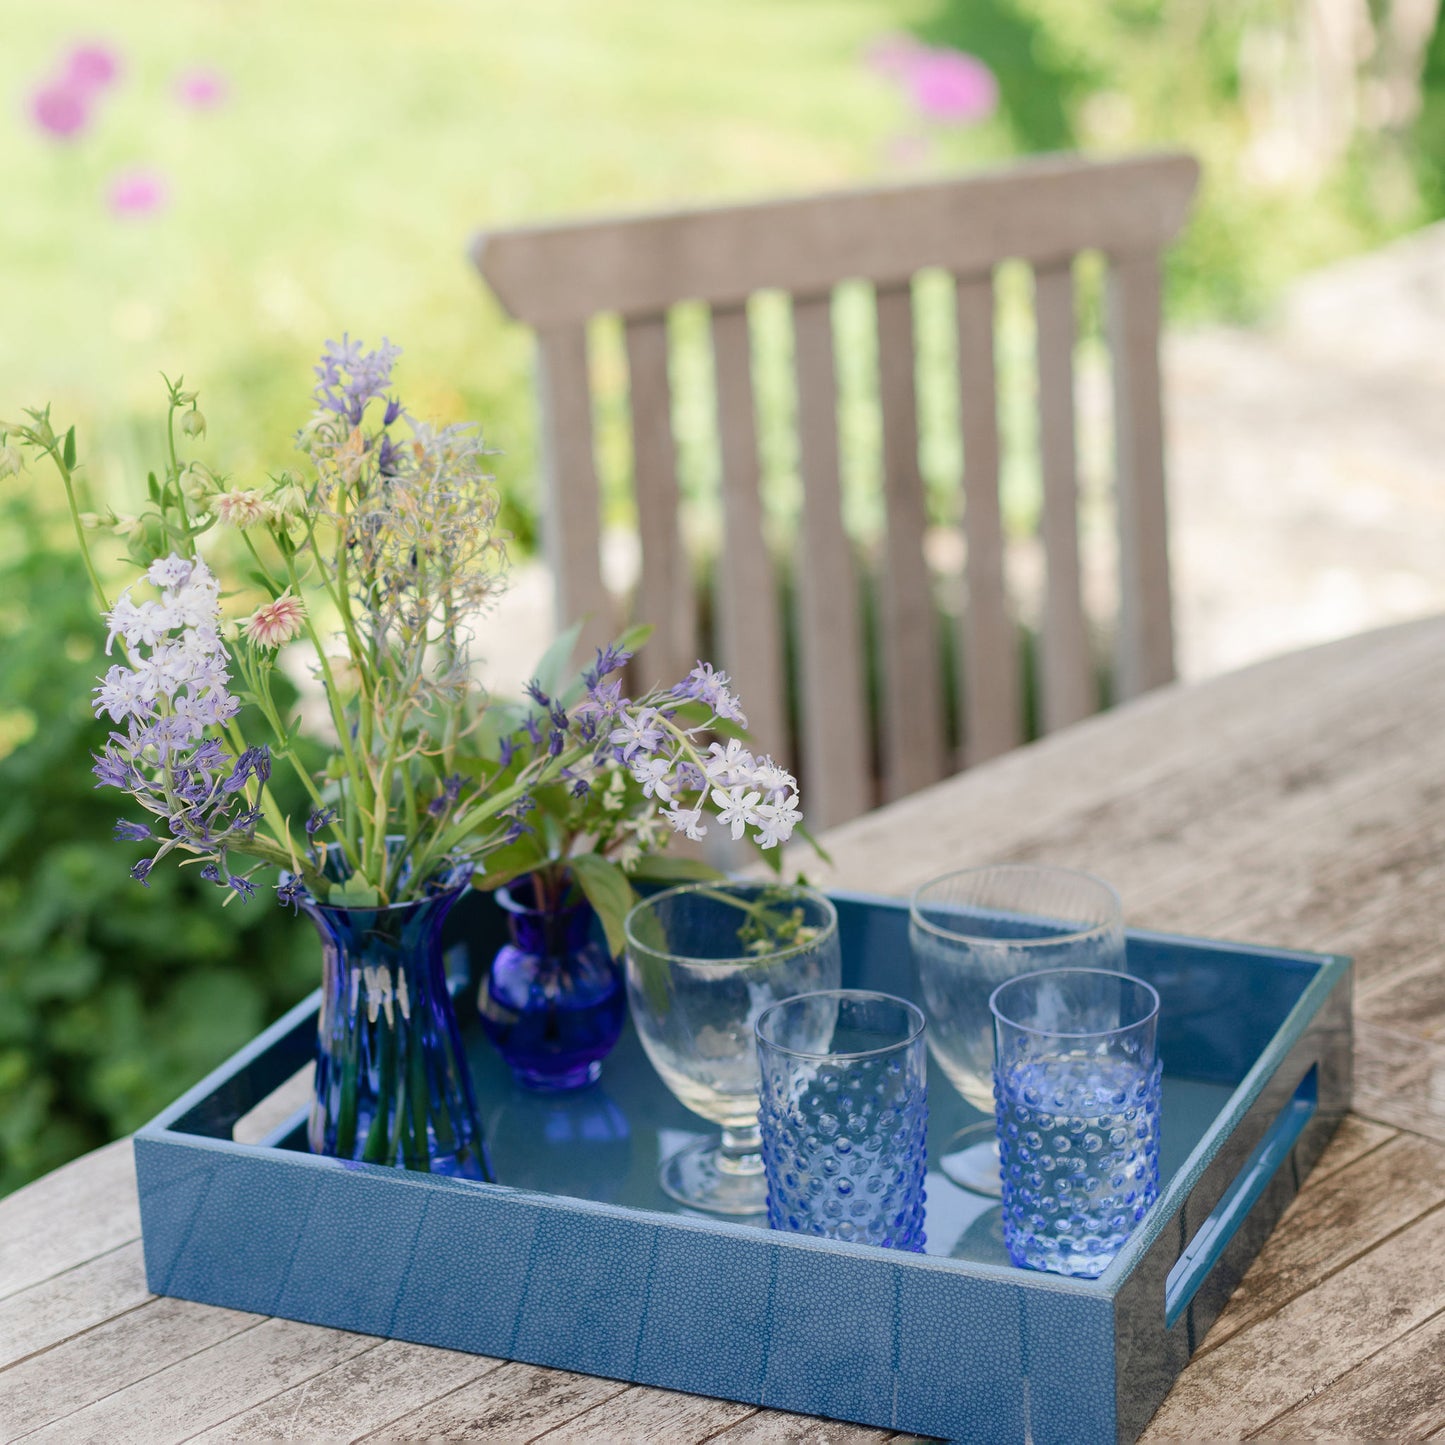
(392, 1085)
(553, 1000)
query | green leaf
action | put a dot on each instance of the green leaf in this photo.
(153, 486)
(356, 892)
(69, 450)
(609, 893)
(552, 671)
(658, 868)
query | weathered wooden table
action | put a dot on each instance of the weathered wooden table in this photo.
(1301, 803)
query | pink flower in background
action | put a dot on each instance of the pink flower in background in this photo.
(92, 68)
(137, 192)
(944, 85)
(949, 86)
(60, 110)
(201, 88)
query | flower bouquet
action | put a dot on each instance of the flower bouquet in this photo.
(377, 555)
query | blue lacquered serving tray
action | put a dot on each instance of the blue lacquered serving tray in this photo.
(580, 1261)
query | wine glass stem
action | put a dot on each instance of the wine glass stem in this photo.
(741, 1151)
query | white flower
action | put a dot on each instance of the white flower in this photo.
(736, 807)
(124, 620)
(123, 693)
(241, 509)
(775, 782)
(655, 776)
(172, 571)
(686, 820)
(729, 766)
(775, 822)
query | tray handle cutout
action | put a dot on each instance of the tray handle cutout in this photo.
(1212, 1238)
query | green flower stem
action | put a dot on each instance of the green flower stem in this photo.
(419, 1154)
(378, 1137)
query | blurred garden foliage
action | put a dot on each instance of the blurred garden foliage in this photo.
(250, 180)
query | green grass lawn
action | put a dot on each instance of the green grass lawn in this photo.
(361, 147)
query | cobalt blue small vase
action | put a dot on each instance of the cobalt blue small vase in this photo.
(553, 1000)
(392, 1084)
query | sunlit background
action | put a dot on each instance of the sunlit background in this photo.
(213, 188)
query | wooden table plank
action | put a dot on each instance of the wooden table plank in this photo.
(366, 1392)
(1334, 1222)
(1399, 1394)
(95, 1196)
(515, 1402)
(66, 1305)
(641, 1415)
(1315, 1340)
(57, 1387)
(1400, 1080)
(208, 1385)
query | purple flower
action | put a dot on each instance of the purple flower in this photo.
(126, 832)
(60, 109)
(254, 761)
(533, 728)
(141, 871)
(289, 892)
(580, 787)
(112, 770)
(609, 659)
(350, 377)
(392, 412)
(243, 887)
(506, 751)
(446, 799)
(92, 67)
(212, 874)
(515, 831)
(320, 818)
(137, 192)
(690, 777)
(201, 88)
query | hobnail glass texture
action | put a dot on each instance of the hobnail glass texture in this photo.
(392, 1084)
(844, 1115)
(553, 1001)
(699, 976)
(1078, 1090)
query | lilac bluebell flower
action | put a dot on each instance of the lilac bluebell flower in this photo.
(253, 762)
(507, 750)
(534, 691)
(393, 410)
(609, 659)
(533, 729)
(350, 377)
(289, 892)
(141, 871)
(243, 887)
(112, 770)
(555, 743)
(212, 874)
(126, 832)
(320, 818)
(714, 690)
(517, 829)
(446, 799)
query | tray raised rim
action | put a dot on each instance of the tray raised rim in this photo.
(1330, 970)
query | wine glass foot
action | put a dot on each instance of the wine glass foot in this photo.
(694, 1177)
(970, 1160)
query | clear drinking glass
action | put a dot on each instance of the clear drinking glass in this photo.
(969, 932)
(1078, 1085)
(844, 1115)
(703, 962)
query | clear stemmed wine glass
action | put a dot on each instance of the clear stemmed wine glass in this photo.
(703, 962)
(972, 930)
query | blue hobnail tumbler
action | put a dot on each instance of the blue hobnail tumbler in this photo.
(844, 1113)
(1077, 1084)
